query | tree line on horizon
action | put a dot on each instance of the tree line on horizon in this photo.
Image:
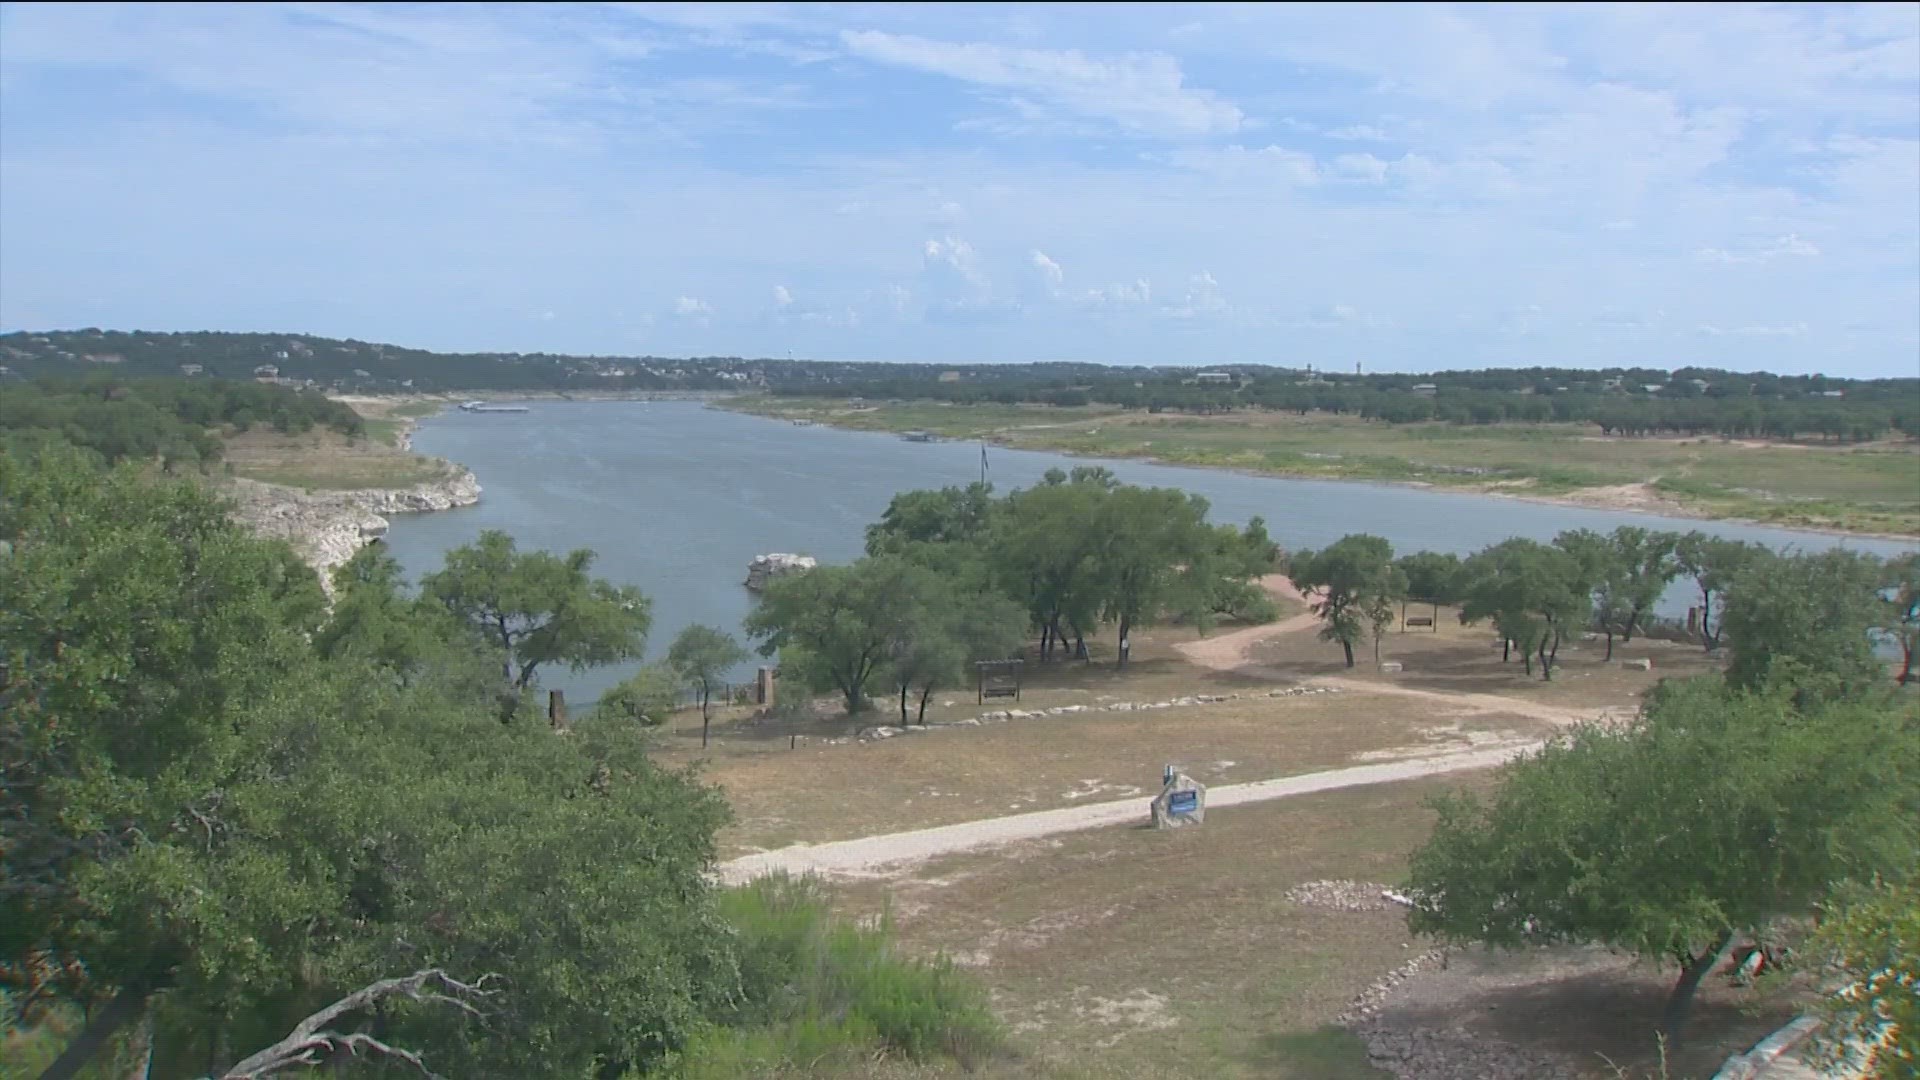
(1689, 401)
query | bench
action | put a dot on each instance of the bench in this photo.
(1420, 620)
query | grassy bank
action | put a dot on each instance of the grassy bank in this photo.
(1872, 488)
(326, 460)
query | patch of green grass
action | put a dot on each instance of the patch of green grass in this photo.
(820, 991)
(1332, 1053)
(336, 474)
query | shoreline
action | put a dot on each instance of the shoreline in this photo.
(1664, 508)
(326, 528)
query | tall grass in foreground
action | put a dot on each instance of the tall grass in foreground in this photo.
(823, 995)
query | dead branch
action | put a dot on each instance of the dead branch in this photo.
(310, 1044)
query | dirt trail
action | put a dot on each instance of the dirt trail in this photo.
(1228, 652)
(894, 851)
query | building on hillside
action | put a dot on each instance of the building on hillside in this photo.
(191, 369)
(266, 372)
(1425, 389)
(949, 376)
(1833, 393)
(1213, 378)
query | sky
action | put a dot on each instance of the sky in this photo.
(1403, 187)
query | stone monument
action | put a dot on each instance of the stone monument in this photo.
(1182, 800)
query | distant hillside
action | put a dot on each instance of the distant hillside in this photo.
(1636, 400)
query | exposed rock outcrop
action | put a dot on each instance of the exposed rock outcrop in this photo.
(328, 527)
(768, 567)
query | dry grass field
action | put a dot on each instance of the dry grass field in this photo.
(1134, 953)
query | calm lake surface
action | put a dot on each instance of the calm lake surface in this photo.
(677, 498)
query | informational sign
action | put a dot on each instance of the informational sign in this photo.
(1183, 802)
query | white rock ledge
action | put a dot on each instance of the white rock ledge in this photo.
(327, 527)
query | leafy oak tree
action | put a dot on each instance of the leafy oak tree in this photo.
(1805, 621)
(1354, 584)
(1712, 563)
(839, 624)
(702, 656)
(1534, 595)
(219, 816)
(537, 608)
(1719, 812)
(945, 634)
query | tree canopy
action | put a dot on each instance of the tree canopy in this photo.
(1354, 584)
(703, 656)
(537, 608)
(222, 812)
(1716, 813)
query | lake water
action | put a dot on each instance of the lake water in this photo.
(677, 498)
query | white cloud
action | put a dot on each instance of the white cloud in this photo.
(782, 296)
(1139, 92)
(688, 307)
(1202, 299)
(1126, 294)
(1049, 270)
(1363, 167)
(1267, 163)
(1358, 133)
(1790, 246)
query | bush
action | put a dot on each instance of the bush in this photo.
(816, 989)
(647, 698)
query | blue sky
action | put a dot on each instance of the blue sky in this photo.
(1404, 186)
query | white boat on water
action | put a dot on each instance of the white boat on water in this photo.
(481, 406)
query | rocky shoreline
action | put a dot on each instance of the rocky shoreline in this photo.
(326, 528)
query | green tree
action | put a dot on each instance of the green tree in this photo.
(703, 656)
(1899, 619)
(1041, 549)
(373, 619)
(1354, 584)
(947, 632)
(1533, 594)
(212, 823)
(1150, 556)
(538, 608)
(1604, 569)
(835, 626)
(1871, 934)
(1805, 621)
(1712, 563)
(647, 698)
(1649, 562)
(1716, 814)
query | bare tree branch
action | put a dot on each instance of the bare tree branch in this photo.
(310, 1044)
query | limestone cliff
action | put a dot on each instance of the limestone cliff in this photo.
(328, 527)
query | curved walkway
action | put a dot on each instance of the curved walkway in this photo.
(868, 854)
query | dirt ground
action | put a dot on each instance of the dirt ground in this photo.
(1577, 1012)
(798, 784)
(1126, 952)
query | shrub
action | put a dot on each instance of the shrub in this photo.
(816, 989)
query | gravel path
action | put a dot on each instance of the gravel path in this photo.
(867, 855)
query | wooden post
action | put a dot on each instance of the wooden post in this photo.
(763, 687)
